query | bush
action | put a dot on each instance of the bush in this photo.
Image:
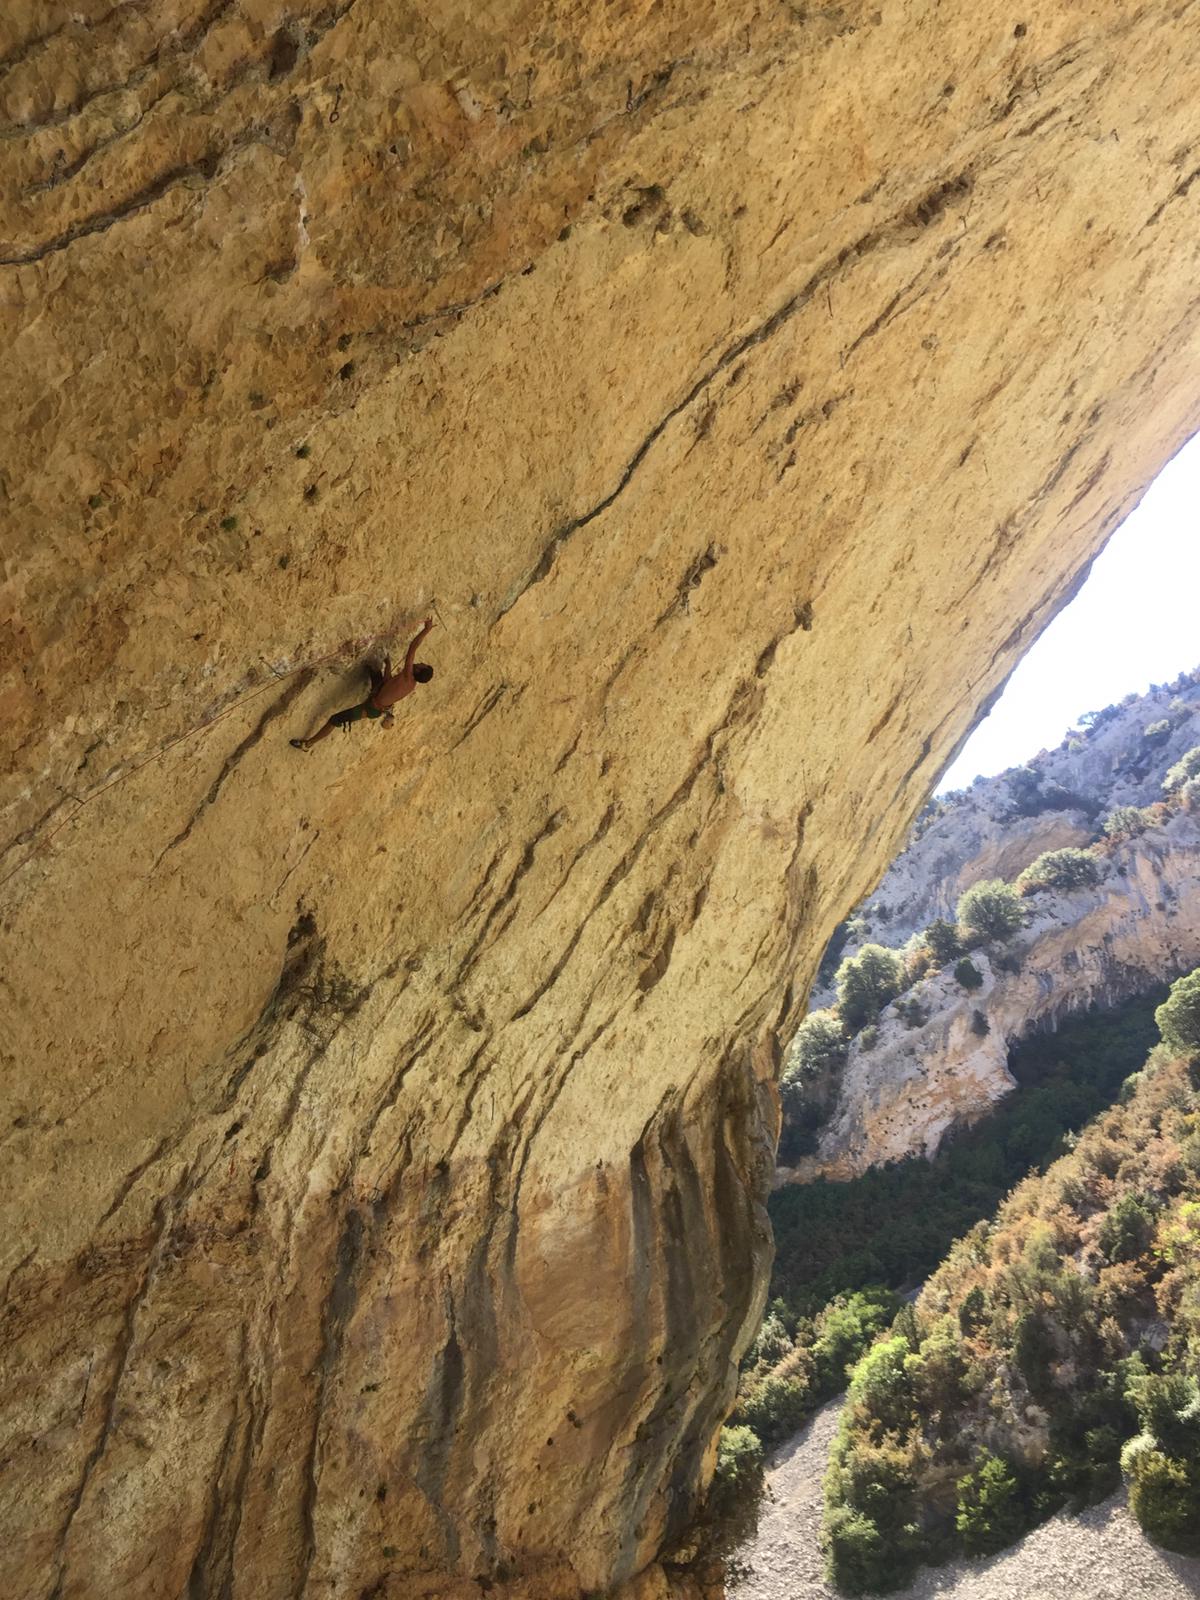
(968, 974)
(1188, 766)
(991, 910)
(881, 1383)
(1025, 791)
(912, 1013)
(807, 1084)
(775, 1408)
(856, 1559)
(870, 1535)
(731, 1513)
(990, 1511)
(1157, 731)
(1060, 869)
(1126, 1230)
(942, 941)
(1163, 1463)
(772, 1343)
(847, 1328)
(819, 1046)
(865, 983)
(980, 1024)
(1163, 1495)
(973, 1313)
(1168, 1406)
(1178, 1017)
(1126, 822)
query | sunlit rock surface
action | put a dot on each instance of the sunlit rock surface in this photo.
(386, 1129)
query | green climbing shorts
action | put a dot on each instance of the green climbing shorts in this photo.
(343, 719)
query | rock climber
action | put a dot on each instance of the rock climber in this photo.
(386, 688)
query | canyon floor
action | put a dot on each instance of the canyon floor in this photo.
(1101, 1555)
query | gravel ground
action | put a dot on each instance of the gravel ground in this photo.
(1101, 1555)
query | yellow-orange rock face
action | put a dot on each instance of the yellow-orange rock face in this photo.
(741, 387)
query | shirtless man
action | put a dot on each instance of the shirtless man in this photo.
(386, 688)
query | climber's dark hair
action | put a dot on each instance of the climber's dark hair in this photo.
(422, 672)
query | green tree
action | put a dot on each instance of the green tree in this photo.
(866, 982)
(990, 1510)
(1178, 1017)
(807, 1083)
(968, 974)
(1188, 766)
(1126, 822)
(731, 1513)
(1162, 1464)
(819, 1046)
(1025, 791)
(775, 1408)
(847, 1328)
(881, 1383)
(1163, 1495)
(973, 1313)
(991, 910)
(942, 941)
(1060, 869)
(856, 1559)
(1127, 1229)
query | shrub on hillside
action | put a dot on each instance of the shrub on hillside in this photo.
(991, 1512)
(776, 1406)
(1025, 791)
(1156, 732)
(1060, 869)
(866, 982)
(968, 974)
(1127, 1229)
(847, 1327)
(941, 940)
(731, 1511)
(871, 1536)
(1126, 822)
(1188, 766)
(1178, 1017)
(857, 1561)
(991, 910)
(775, 1400)
(808, 1082)
(819, 1046)
(1017, 1313)
(1162, 1464)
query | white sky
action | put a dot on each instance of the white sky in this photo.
(1135, 622)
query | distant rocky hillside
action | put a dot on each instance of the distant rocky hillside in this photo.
(994, 829)
(1103, 903)
(904, 1086)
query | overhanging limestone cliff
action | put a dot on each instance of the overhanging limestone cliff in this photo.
(386, 1129)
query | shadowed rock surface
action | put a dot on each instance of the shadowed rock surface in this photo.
(386, 1130)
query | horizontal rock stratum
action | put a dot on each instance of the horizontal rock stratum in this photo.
(742, 388)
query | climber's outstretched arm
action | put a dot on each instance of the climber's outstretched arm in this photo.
(412, 649)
